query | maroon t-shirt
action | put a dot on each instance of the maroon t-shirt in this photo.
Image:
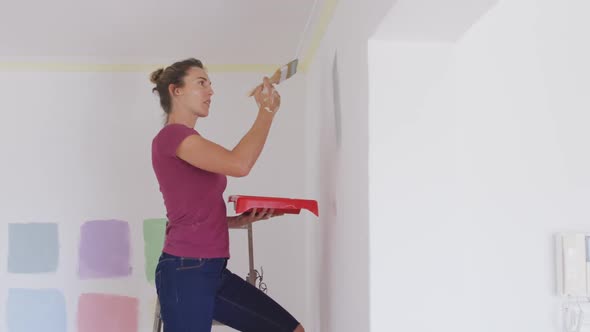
(197, 216)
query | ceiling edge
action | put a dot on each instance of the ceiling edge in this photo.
(319, 31)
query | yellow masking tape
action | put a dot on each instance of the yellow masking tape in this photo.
(118, 67)
(320, 30)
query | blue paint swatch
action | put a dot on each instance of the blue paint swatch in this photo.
(32, 248)
(35, 310)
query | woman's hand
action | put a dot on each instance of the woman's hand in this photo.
(267, 97)
(244, 219)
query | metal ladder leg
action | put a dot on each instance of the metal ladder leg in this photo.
(157, 318)
(252, 273)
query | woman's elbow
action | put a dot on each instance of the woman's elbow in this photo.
(241, 171)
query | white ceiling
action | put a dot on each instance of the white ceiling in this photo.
(431, 20)
(216, 31)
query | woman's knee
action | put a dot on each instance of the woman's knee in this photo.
(299, 328)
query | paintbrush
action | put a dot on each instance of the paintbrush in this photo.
(281, 74)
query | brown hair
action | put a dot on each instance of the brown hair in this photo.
(173, 74)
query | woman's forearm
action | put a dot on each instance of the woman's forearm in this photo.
(233, 222)
(251, 145)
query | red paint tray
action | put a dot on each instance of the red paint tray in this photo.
(280, 205)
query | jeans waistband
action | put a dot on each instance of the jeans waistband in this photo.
(165, 255)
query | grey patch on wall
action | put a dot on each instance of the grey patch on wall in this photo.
(336, 96)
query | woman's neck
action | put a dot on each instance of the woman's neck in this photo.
(186, 119)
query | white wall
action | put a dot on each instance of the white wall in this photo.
(478, 155)
(279, 243)
(77, 147)
(338, 248)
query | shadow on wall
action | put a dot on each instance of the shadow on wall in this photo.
(330, 147)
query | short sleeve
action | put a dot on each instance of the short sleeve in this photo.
(170, 138)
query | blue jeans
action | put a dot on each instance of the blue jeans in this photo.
(194, 291)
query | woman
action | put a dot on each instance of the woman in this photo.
(193, 284)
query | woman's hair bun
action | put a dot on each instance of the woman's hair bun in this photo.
(156, 74)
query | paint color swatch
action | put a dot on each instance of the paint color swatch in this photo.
(32, 248)
(153, 237)
(104, 249)
(35, 310)
(112, 313)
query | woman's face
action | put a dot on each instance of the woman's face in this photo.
(195, 95)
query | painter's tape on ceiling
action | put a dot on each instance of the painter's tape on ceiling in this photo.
(320, 30)
(122, 67)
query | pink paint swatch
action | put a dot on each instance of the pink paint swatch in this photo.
(112, 313)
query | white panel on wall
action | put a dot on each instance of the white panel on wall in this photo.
(477, 159)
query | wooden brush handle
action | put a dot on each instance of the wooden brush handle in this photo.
(274, 79)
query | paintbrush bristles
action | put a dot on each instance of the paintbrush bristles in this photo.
(292, 68)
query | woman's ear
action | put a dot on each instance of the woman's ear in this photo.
(173, 90)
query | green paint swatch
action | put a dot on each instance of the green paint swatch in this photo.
(153, 237)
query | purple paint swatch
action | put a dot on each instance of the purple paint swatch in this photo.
(104, 249)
